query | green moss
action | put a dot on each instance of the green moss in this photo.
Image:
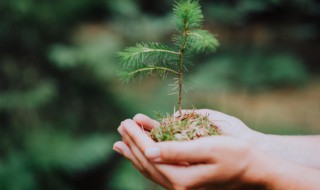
(189, 126)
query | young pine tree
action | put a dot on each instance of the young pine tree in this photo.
(152, 58)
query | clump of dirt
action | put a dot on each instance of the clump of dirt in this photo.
(188, 126)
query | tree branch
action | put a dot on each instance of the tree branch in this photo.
(152, 69)
(147, 50)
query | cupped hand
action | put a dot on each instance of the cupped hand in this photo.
(226, 124)
(297, 149)
(207, 163)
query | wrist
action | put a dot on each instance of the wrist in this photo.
(262, 142)
(251, 174)
(261, 170)
(276, 174)
(255, 138)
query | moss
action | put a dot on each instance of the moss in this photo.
(188, 126)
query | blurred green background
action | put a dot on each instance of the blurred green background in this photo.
(61, 100)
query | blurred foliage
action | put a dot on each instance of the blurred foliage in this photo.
(96, 56)
(50, 116)
(46, 155)
(60, 98)
(256, 71)
(127, 177)
(240, 11)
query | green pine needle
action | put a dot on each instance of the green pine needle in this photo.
(202, 41)
(161, 72)
(154, 59)
(188, 11)
(133, 57)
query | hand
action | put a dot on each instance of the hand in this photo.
(132, 152)
(227, 169)
(212, 162)
(298, 149)
(226, 124)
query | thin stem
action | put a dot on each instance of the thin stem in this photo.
(153, 68)
(181, 56)
(180, 75)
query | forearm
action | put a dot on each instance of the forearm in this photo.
(277, 174)
(303, 150)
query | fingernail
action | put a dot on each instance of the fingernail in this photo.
(120, 130)
(152, 153)
(117, 150)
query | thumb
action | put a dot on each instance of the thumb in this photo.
(196, 151)
(145, 121)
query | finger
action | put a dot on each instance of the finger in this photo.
(146, 122)
(148, 170)
(196, 151)
(213, 115)
(120, 129)
(135, 151)
(138, 157)
(125, 151)
(141, 139)
(191, 176)
(228, 125)
(138, 141)
(126, 146)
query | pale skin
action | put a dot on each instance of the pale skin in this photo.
(239, 159)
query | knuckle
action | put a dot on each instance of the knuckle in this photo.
(166, 156)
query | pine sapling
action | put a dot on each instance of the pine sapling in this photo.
(154, 59)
